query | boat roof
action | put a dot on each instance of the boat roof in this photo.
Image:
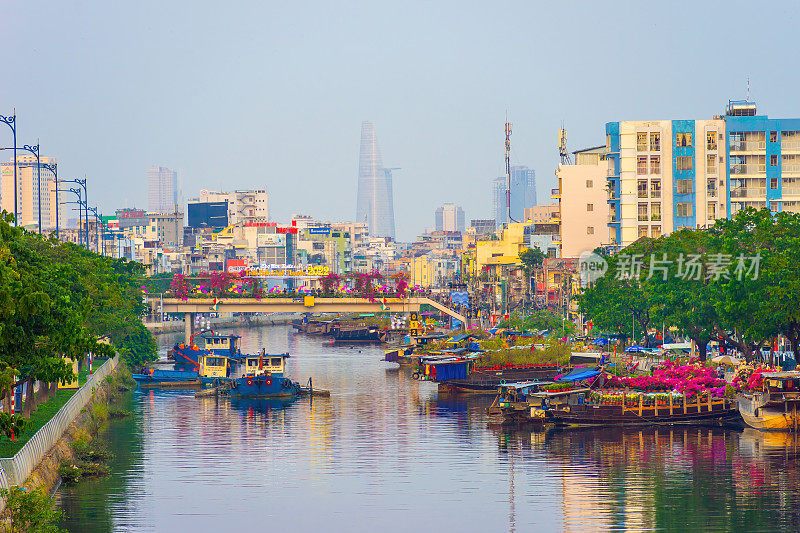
(256, 356)
(212, 334)
(523, 384)
(793, 374)
(548, 393)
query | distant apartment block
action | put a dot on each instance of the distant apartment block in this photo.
(162, 190)
(28, 187)
(450, 217)
(541, 213)
(483, 227)
(243, 206)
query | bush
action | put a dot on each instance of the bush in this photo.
(31, 511)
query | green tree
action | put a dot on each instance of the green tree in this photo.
(31, 511)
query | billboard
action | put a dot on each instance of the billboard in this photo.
(319, 231)
(272, 239)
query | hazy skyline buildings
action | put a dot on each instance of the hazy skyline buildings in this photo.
(375, 202)
(523, 194)
(28, 191)
(162, 190)
(450, 217)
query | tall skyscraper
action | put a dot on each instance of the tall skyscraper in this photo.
(375, 205)
(523, 194)
(450, 217)
(28, 188)
(162, 190)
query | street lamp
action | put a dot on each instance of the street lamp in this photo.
(82, 183)
(77, 192)
(35, 151)
(11, 122)
(96, 230)
(54, 170)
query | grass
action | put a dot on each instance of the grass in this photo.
(42, 415)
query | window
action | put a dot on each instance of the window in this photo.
(655, 232)
(712, 210)
(655, 189)
(773, 183)
(655, 141)
(589, 184)
(643, 212)
(683, 139)
(642, 188)
(641, 165)
(276, 361)
(685, 210)
(641, 142)
(773, 136)
(711, 140)
(590, 230)
(642, 231)
(590, 207)
(684, 186)
(773, 160)
(711, 164)
(655, 211)
(655, 164)
(711, 187)
(684, 162)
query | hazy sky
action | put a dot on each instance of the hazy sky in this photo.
(272, 94)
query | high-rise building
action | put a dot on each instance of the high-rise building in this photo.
(669, 174)
(450, 217)
(523, 194)
(582, 209)
(483, 227)
(28, 187)
(375, 203)
(243, 206)
(162, 190)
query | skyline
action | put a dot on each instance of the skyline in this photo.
(116, 90)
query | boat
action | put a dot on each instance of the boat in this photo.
(487, 380)
(775, 406)
(210, 369)
(187, 356)
(523, 402)
(263, 378)
(345, 334)
(393, 355)
(311, 327)
(158, 377)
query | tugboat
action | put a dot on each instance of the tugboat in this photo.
(263, 378)
(187, 357)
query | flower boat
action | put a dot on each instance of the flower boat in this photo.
(487, 380)
(770, 401)
(689, 394)
(522, 402)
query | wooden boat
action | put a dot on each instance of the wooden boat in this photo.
(345, 334)
(515, 402)
(634, 409)
(488, 381)
(775, 407)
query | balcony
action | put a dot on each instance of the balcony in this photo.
(555, 193)
(748, 193)
(790, 146)
(612, 219)
(749, 169)
(748, 146)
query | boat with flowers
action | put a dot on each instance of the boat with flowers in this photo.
(769, 401)
(486, 380)
(688, 394)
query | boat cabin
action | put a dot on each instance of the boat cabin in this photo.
(265, 364)
(219, 344)
(214, 366)
(445, 366)
(519, 391)
(782, 385)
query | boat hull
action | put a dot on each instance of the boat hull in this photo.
(263, 387)
(757, 415)
(716, 413)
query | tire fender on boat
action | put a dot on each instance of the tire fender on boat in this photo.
(249, 381)
(268, 382)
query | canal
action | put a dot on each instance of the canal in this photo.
(384, 453)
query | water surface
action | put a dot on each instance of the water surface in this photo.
(385, 453)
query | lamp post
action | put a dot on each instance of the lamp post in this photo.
(96, 230)
(77, 192)
(11, 122)
(35, 151)
(82, 183)
(54, 170)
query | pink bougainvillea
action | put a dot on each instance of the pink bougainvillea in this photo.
(180, 286)
(687, 379)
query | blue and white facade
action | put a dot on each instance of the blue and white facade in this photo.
(670, 174)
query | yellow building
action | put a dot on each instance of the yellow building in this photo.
(504, 251)
(28, 191)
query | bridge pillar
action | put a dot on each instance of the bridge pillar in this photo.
(189, 326)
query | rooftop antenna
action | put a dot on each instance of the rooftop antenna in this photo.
(508, 171)
(562, 146)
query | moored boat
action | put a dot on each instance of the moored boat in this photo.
(346, 334)
(775, 406)
(187, 356)
(263, 378)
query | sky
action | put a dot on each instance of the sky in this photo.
(260, 94)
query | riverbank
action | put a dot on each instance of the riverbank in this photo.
(270, 319)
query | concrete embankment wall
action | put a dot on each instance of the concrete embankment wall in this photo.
(15, 470)
(270, 319)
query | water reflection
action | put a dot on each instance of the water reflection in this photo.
(386, 453)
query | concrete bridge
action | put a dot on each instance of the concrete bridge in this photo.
(307, 304)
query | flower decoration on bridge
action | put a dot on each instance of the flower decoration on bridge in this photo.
(180, 286)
